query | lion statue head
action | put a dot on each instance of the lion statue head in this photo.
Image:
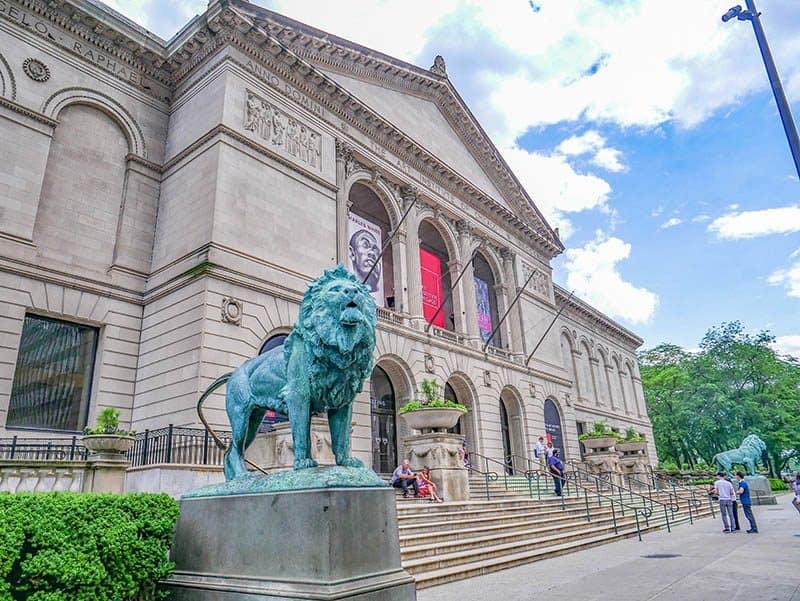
(755, 444)
(337, 319)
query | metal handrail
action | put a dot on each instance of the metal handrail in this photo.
(645, 511)
(489, 476)
(676, 486)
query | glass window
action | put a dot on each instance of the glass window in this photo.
(273, 342)
(53, 376)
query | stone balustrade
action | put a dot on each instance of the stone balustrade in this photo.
(42, 476)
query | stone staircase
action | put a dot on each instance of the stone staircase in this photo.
(455, 540)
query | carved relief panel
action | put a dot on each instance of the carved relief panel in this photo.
(284, 133)
(540, 283)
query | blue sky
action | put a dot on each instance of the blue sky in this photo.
(647, 134)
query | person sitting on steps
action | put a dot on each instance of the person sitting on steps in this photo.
(425, 476)
(403, 477)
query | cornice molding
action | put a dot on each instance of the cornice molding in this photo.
(582, 311)
(31, 114)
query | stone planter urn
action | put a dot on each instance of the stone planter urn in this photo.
(630, 447)
(597, 443)
(432, 418)
(108, 443)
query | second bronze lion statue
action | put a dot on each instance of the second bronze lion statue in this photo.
(320, 367)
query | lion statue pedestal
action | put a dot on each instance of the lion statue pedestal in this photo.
(310, 532)
(760, 491)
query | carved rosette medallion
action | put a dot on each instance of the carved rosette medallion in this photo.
(283, 132)
(232, 310)
(36, 69)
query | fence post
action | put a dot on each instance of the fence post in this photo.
(13, 447)
(145, 446)
(72, 448)
(205, 447)
(168, 458)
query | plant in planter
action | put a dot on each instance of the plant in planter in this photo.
(432, 412)
(633, 442)
(106, 437)
(601, 437)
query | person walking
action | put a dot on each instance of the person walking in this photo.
(796, 487)
(744, 498)
(724, 490)
(540, 452)
(556, 470)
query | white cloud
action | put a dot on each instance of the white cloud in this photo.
(609, 159)
(670, 223)
(789, 278)
(701, 218)
(788, 345)
(752, 224)
(593, 273)
(591, 141)
(556, 187)
(657, 211)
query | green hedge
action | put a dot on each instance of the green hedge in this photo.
(84, 547)
(777, 485)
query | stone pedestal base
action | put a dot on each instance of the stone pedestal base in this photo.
(604, 463)
(760, 490)
(290, 546)
(442, 453)
(105, 472)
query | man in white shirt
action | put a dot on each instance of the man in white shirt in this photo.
(540, 452)
(403, 477)
(726, 494)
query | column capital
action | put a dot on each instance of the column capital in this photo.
(506, 254)
(409, 194)
(463, 228)
(343, 150)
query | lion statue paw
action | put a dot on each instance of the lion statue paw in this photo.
(349, 462)
(301, 464)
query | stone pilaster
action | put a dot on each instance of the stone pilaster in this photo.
(413, 272)
(469, 308)
(342, 209)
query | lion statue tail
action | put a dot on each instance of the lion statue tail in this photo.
(223, 379)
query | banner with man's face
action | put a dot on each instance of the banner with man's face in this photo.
(364, 247)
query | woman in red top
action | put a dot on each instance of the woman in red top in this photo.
(425, 476)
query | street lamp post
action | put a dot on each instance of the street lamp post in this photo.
(752, 15)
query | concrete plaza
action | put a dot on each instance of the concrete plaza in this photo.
(709, 566)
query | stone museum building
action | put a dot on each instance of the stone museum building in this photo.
(164, 204)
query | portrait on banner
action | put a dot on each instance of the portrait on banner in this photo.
(364, 248)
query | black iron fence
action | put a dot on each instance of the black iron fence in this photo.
(42, 449)
(174, 444)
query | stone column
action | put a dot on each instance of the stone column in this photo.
(469, 306)
(577, 369)
(399, 262)
(342, 205)
(622, 377)
(413, 273)
(105, 472)
(516, 342)
(610, 380)
(594, 373)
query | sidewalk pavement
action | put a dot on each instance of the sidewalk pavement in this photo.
(711, 566)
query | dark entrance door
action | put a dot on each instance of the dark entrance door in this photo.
(384, 432)
(552, 426)
(506, 435)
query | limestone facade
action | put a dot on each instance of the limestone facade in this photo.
(179, 195)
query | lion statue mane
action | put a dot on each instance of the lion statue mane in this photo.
(320, 367)
(748, 454)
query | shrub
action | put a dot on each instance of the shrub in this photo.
(108, 423)
(84, 547)
(777, 485)
(599, 429)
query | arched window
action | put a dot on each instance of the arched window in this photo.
(436, 281)
(486, 300)
(273, 342)
(368, 229)
(384, 431)
(450, 395)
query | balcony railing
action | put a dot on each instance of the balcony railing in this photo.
(390, 316)
(42, 449)
(174, 444)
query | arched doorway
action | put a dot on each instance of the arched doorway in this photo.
(273, 342)
(368, 229)
(383, 404)
(450, 395)
(512, 431)
(435, 274)
(272, 417)
(488, 314)
(553, 427)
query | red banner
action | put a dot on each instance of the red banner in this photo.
(432, 295)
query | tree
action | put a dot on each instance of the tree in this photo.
(706, 402)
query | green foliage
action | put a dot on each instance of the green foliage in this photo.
(631, 435)
(108, 423)
(84, 547)
(777, 485)
(703, 481)
(414, 405)
(706, 402)
(599, 429)
(431, 391)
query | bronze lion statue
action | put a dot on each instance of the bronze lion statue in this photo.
(748, 454)
(320, 367)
